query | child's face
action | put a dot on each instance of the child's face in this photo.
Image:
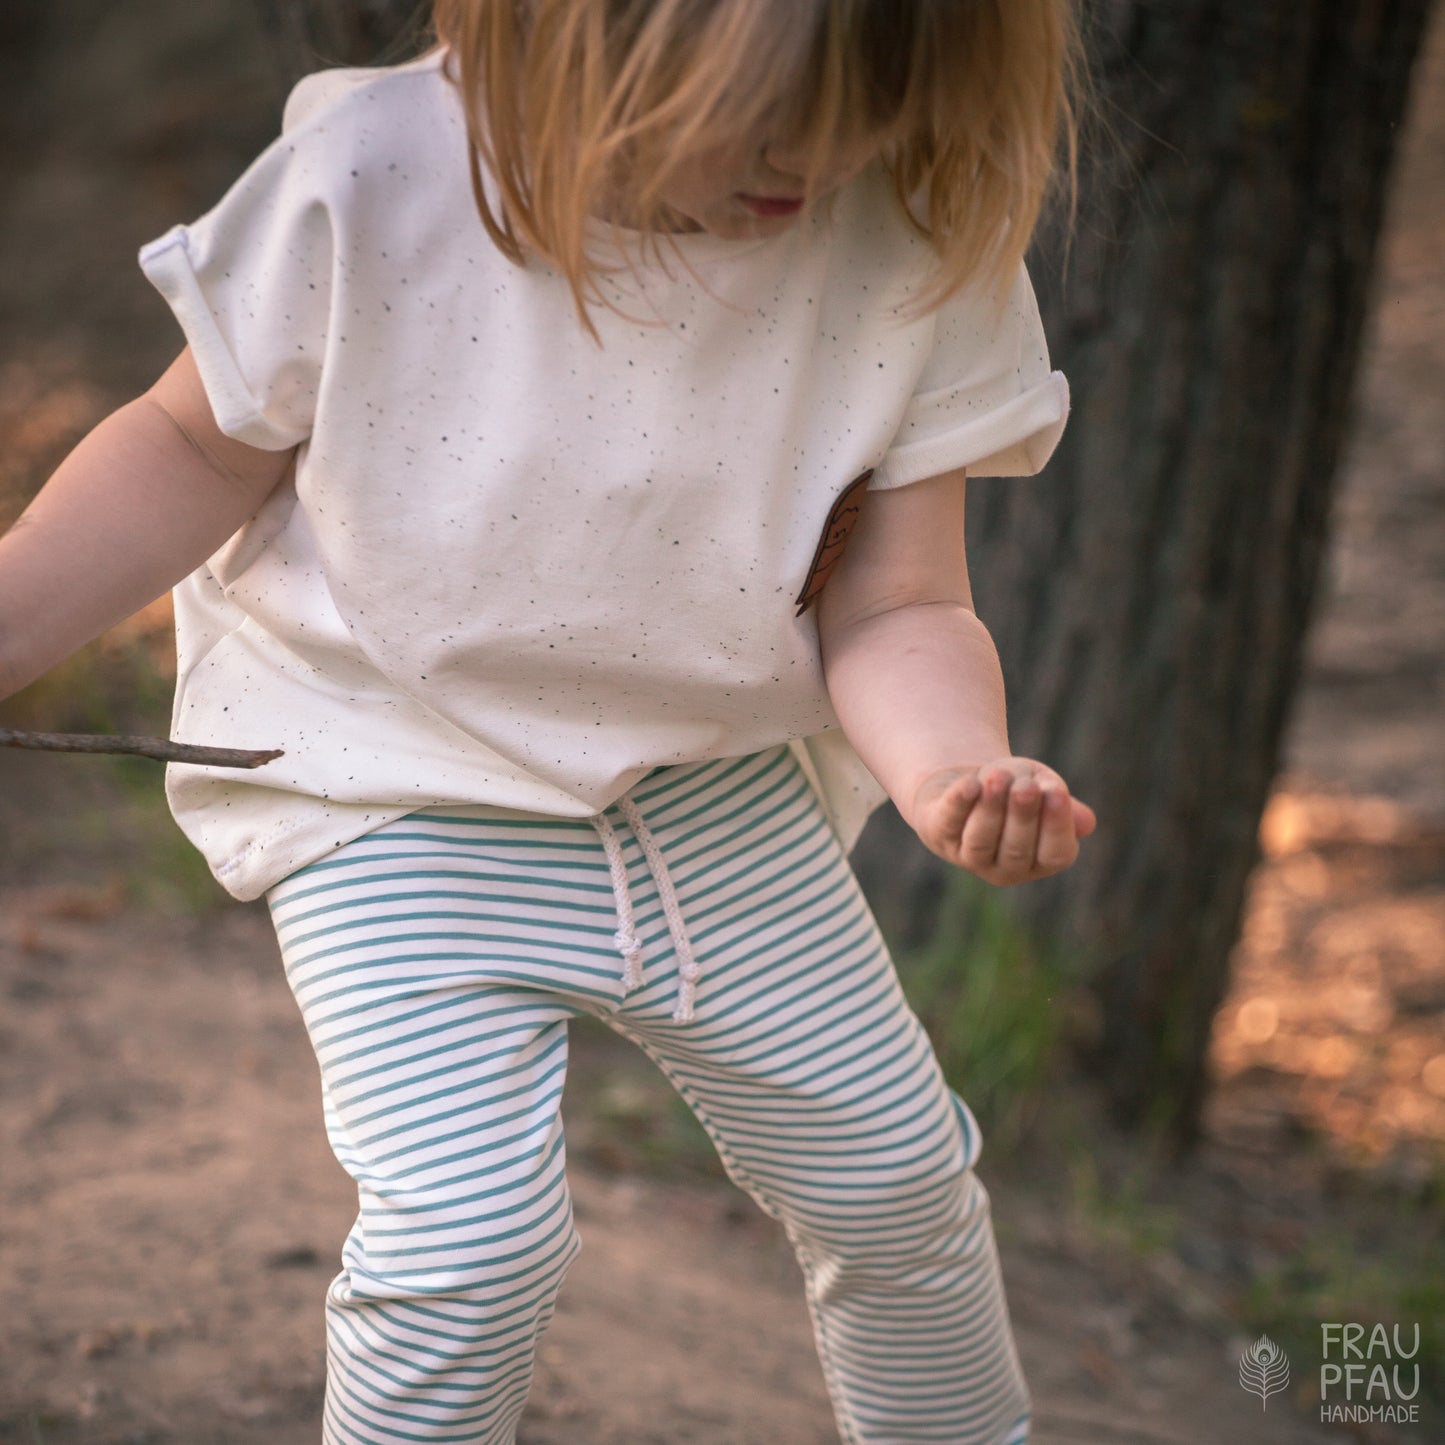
(749, 190)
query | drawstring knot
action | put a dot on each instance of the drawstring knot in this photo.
(628, 945)
(689, 973)
(625, 938)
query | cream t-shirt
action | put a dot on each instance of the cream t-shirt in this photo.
(513, 567)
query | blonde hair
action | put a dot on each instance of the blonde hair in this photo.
(569, 102)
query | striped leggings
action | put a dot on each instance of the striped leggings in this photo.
(437, 962)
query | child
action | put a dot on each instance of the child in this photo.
(566, 469)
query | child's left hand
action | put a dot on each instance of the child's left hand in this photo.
(1009, 821)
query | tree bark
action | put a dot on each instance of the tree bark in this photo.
(1149, 594)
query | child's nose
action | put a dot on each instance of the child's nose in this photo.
(790, 161)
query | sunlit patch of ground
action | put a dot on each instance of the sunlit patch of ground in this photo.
(1335, 1024)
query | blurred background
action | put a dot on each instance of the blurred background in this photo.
(1209, 1061)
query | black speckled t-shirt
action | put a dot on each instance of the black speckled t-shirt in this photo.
(516, 567)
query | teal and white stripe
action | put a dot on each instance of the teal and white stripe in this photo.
(437, 962)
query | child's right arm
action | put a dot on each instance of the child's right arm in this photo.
(144, 499)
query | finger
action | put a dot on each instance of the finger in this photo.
(957, 803)
(1019, 839)
(1085, 819)
(950, 816)
(1058, 846)
(978, 846)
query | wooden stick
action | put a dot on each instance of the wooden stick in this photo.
(161, 749)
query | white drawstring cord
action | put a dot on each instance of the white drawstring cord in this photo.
(625, 939)
(688, 968)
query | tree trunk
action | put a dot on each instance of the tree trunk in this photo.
(1149, 594)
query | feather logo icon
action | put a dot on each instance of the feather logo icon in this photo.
(1264, 1369)
(836, 530)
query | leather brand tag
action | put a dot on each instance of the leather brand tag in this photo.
(841, 519)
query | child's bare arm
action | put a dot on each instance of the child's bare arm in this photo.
(144, 499)
(915, 680)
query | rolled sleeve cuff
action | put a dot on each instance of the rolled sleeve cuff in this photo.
(1014, 439)
(167, 265)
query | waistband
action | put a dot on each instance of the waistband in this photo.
(628, 945)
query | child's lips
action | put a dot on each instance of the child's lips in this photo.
(768, 206)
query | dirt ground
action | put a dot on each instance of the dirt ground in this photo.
(169, 1211)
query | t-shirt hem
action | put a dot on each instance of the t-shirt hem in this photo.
(253, 870)
(847, 791)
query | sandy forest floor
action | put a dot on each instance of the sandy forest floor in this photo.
(169, 1211)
